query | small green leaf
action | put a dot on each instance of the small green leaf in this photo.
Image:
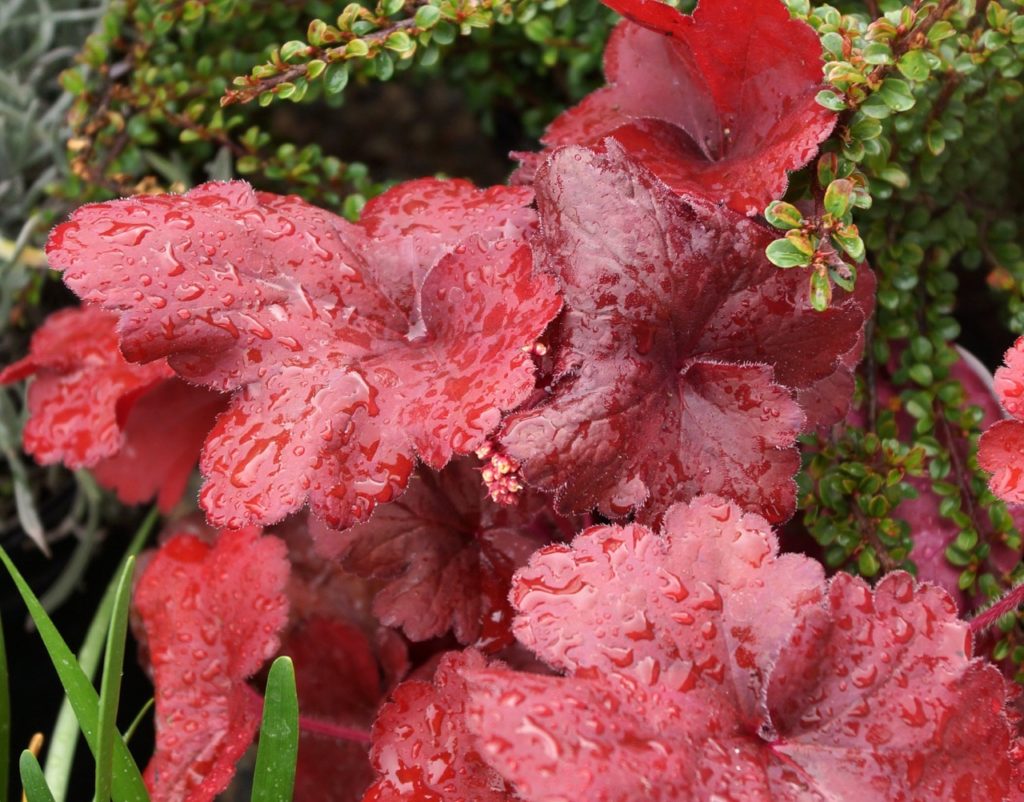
(894, 174)
(336, 77)
(844, 275)
(875, 108)
(833, 43)
(391, 7)
(277, 752)
(830, 100)
(914, 65)
(837, 197)
(921, 373)
(782, 253)
(290, 50)
(356, 48)
(315, 68)
(867, 562)
(821, 291)
(444, 33)
(896, 94)
(865, 128)
(427, 16)
(847, 238)
(783, 215)
(877, 53)
(32, 779)
(828, 168)
(399, 42)
(940, 30)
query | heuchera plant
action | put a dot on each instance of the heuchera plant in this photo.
(596, 366)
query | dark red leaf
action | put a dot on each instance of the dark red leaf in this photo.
(702, 665)
(718, 105)
(678, 350)
(422, 748)
(342, 378)
(338, 682)
(446, 553)
(211, 617)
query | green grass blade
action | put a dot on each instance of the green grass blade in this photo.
(63, 741)
(278, 748)
(32, 779)
(127, 784)
(5, 719)
(110, 684)
(128, 733)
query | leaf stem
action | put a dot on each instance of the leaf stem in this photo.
(319, 726)
(1010, 601)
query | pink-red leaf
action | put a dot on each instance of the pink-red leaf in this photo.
(138, 427)
(702, 665)
(719, 104)
(211, 617)
(422, 748)
(347, 363)
(446, 553)
(1001, 448)
(678, 349)
(80, 380)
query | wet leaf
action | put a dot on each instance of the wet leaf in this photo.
(719, 104)
(1001, 447)
(138, 427)
(211, 616)
(700, 664)
(80, 381)
(422, 748)
(446, 553)
(349, 355)
(678, 350)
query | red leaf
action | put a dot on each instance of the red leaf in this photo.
(337, 680)
(80, 379)
(163, 435)
(137, 427)
(422, 748)
(999, 452)
(414, 224)
(678, 349)
(718, 105)
(212, 616)
(341, 379)
(1001, 447)
(446, 553)
(702, 665)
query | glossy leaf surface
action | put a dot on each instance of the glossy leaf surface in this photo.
(211, 616)
(342, 376)
(719, 104)
(446, 554)
(423, 750)
(702, 665)
(678, 352)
